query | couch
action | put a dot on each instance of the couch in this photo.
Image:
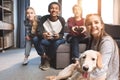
(63, 51)
(114, 31)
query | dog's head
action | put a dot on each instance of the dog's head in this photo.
(89, 60)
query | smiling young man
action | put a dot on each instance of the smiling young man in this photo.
(53, 31)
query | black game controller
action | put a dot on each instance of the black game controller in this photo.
(79, 29)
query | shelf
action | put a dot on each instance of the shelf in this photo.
(8, 18)
(8, 0)
(6, 26)
(1, 14)
(7, 10)
(8, 40)
(7, 5)
(0, 6)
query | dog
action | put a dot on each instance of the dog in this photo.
(81, 69)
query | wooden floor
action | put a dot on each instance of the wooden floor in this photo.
(11, 67)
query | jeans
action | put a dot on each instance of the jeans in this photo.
(51, 46)
(38, 46)
(29, 43)
(28, 46)
(74, 44)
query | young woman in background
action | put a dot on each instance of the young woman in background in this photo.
(31, 26)
(77, 32)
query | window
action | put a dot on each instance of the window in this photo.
(107, 11)
(41, 6)
(67, 8)
(89, 6)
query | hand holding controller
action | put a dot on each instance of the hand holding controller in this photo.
(78, 29)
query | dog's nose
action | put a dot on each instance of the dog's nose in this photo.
(85, 68)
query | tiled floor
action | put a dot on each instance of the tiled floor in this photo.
(11, 67)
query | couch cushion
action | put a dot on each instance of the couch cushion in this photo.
(118, 42)
(65, 48)
(62, 60)
(113, 30)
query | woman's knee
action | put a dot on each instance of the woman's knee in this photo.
(35, 39)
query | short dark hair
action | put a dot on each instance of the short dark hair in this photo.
(54, 3)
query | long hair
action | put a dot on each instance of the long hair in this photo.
(34, 23)
(103, 32)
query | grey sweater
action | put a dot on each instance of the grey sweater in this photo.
(110, 59)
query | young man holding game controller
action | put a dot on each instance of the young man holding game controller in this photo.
(77, 32)
(53, 32)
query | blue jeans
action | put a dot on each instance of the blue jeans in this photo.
(29, 43)
(51, 46)
(74, 44)
(38, 46)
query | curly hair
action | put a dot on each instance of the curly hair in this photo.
(49, 6)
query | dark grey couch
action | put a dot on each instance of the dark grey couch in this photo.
(114, 31)
(63, 52)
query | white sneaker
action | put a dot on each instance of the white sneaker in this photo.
(25, 62)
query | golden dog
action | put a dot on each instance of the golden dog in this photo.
(88, 61)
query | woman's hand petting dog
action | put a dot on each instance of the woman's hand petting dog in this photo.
(65, 73)
(80, 70)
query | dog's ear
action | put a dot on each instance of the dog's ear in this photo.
(99, 60)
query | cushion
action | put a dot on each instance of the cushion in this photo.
(113, 30)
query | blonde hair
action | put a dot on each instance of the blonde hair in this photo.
(35, 22)
(103, 32)
(80, 8)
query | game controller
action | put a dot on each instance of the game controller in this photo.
(78, 29)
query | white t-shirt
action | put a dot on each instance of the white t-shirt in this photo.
(52, 27)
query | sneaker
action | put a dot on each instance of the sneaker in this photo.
(42, 63)
(45, 65)
(25, 62)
